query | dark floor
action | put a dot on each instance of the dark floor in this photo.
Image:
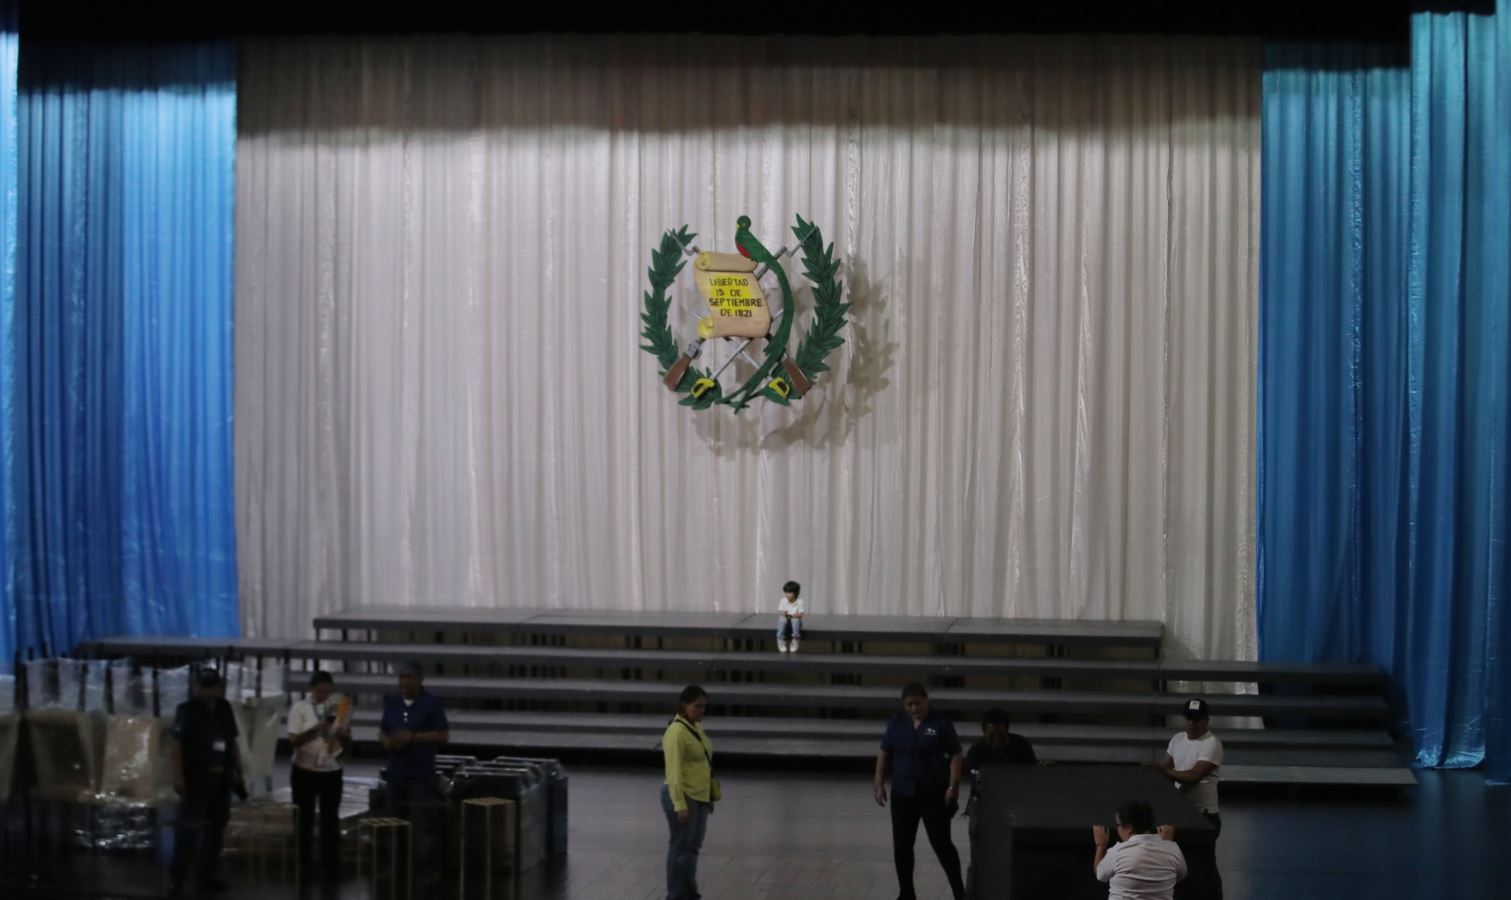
(819, 835)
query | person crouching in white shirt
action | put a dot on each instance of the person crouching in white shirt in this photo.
(1193, 759)
(789, 618)
(1144, 865)
(318, 733)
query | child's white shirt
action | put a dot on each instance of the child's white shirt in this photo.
(788, 607)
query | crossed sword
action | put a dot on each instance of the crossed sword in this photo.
(696, 346)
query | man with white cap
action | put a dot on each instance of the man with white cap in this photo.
(1192, 761)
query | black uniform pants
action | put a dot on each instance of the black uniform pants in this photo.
(203, 813)
(322, 789)
(907, 812)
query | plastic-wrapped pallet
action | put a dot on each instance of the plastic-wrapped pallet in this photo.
(130, 689)
(134, 785)
(10, 735)
(64, 752)
(259, 722)
(525, 784)
(172, 688)
(556, 790)
(135, 768)
(72, 684)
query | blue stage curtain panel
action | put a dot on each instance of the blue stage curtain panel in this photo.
(9, 48)
(1383, 494)
(122, 481)
(1459, 308)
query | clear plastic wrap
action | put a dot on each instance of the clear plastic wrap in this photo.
(130, 689)
(10, 736)
(135, 764)
(116, 825)
(75, 684)
(237, 683)
(8, 696)
(254, 678)
(64, 753)
(172, 689)
(93, 674)
(260, 724)
(42, 684)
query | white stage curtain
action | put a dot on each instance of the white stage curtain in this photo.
(1044, 408)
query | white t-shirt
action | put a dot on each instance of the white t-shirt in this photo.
(1187, 753)
(1144, 867)
(790, 606)
(313, 755)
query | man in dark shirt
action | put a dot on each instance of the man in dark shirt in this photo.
(414, 725)
(206, 768)
(923, 752)
(997, 746)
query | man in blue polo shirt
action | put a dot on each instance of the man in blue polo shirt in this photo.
(414, 725)
(923, 752)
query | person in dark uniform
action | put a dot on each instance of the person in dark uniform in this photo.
(413, 727)
(206, 769)
(998, 746)
(923, 752)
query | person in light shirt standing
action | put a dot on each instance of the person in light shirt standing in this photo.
(318, 735)
(789, 617)
(1192, 761)
(1143, 865)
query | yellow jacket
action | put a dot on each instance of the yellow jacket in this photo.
(689, 763)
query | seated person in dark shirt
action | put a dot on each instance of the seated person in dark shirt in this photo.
(998, 745)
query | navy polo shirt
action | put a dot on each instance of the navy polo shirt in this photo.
(920, 756)
(424, 714)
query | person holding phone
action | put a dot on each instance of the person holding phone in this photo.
(318, 734)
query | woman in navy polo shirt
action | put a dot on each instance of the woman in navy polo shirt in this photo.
(923, 752)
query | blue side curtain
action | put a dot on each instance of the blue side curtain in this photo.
(1460, 300)
(9, 48)
(121, 478)
(1383, 479)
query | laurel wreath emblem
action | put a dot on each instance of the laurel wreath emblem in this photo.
(782, 379)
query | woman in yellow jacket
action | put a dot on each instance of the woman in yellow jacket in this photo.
(689, 793)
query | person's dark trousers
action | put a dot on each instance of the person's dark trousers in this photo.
(1212, 888)
(203, 813)
(683, 847)
(417, 799)
(1216, 821)
(322, 789)
(907, 812)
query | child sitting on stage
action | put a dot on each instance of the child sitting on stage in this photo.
(790, 619)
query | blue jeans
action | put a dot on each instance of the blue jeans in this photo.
(682, 850)
(783, 623)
